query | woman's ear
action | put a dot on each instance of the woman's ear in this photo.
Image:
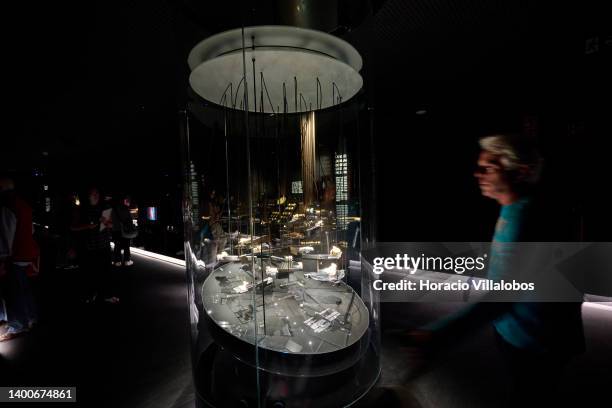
(522, 173)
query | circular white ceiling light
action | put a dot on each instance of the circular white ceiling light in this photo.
(293, 69)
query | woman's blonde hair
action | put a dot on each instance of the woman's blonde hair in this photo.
(515, 152)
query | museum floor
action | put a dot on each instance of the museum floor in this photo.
(136, 354)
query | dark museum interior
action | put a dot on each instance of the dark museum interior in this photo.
(232, 200)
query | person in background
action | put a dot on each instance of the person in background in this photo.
(18, 258)
(215, 208)
(536, 339)
(123, 232)
(67, 242)
(93, 222)
(8, 224)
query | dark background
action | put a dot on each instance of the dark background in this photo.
(94, 88)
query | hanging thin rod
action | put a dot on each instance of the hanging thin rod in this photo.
(295, 93)
(302, 99)
(319, 94)
(339, 95)
(266, 89)
(261, 92)
(254, 80)
(224, 94)
(285, 103)
(237, 91)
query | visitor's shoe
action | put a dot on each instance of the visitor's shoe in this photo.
(129, 263)
(117, 264)
(114, 300)
(11, 333)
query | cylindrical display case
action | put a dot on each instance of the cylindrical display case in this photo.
(275, 216)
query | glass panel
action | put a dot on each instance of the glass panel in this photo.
(222, 304)
(273, 248)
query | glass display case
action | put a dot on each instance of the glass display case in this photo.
(275, 215)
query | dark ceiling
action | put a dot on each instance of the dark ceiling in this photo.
(103, 80)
